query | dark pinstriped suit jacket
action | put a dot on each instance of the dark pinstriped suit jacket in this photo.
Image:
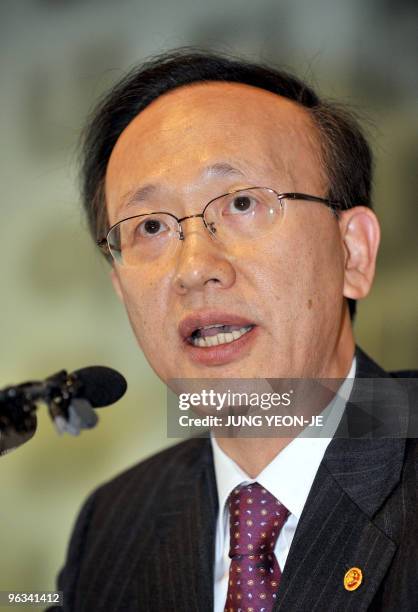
(145, 540)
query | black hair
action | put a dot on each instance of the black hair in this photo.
(345, 153)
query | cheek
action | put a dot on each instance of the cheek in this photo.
(303, 274)
(144, 305)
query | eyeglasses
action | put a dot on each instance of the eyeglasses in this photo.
(231, 219)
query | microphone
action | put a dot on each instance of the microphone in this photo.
(100, 385)
(70, 399)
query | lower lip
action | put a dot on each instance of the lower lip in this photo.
(222, 354)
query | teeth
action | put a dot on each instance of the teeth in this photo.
(221, 338)
(210, 326)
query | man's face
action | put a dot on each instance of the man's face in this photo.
(288, 285)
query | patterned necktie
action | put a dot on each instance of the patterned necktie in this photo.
(256, 518)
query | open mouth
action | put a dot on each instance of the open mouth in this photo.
(217, 334)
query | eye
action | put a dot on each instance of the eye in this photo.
(151, 227)
(240, 204)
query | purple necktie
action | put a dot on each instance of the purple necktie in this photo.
(256, 518)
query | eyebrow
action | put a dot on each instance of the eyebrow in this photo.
(145, 192)
(221, 169)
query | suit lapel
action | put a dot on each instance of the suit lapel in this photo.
(185, 539)
(333, 536)
(336, 531)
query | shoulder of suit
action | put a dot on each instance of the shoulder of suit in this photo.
(164, 466)
(368, 368)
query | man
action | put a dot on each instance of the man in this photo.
(234, 206)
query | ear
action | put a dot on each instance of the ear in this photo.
(116, 283)
(360, 232)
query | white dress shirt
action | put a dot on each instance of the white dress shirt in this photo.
(289, 477)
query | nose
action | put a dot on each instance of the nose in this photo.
(201, 262)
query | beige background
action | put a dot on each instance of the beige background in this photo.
(57, 306)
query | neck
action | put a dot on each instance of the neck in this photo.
(254, 454)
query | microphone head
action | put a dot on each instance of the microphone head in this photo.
(100, 385)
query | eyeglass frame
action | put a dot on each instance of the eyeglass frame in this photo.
(334, 205)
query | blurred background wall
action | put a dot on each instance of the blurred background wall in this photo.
(57, 306)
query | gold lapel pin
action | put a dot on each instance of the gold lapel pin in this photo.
(353, 579)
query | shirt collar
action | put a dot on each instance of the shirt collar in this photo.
(289, 476)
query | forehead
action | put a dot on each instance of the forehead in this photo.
(197, 125)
